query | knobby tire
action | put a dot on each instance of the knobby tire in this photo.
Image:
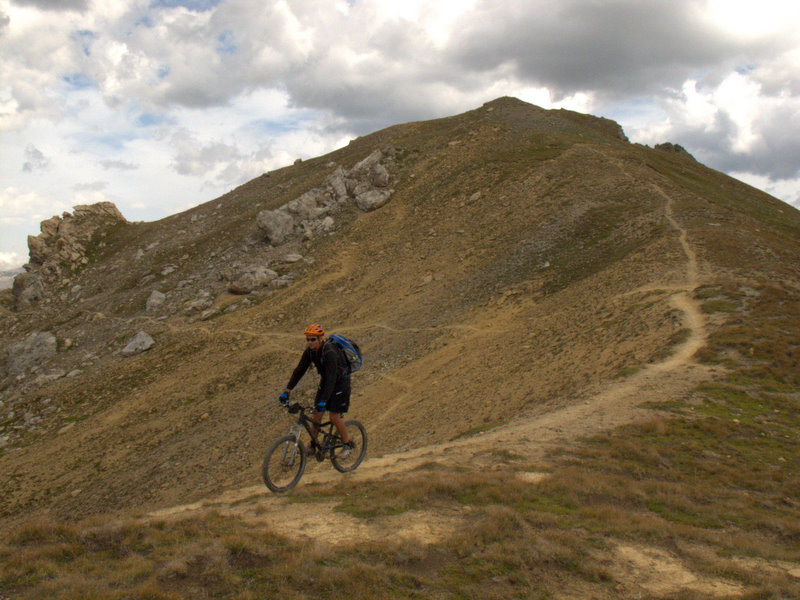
(357, 435)
(283, 464)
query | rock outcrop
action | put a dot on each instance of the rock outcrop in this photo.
(62, 247)
(674, 148)
(310, 214)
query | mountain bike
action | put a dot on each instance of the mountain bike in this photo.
(285, 460)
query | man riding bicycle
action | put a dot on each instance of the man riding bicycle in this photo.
(333, 394)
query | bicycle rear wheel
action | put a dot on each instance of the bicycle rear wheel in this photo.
(358, 436)
(284, 464)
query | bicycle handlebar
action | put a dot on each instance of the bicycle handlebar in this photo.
(296, 407)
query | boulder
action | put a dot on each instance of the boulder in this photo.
(155, 300)
(141, 342)
(34, 350)
(336, 184)
(276, 224)
(363, 167)
(37, 250)
(244, 284)
(203, 302)
(49, 227)
(326, 225)
(27, 290)
(379, 176)
(209, 313)
(361, 187)
(373, 199)
(308, 205)
(251, 280)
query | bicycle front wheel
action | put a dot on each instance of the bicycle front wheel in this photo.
(284, 464)
(342, 460)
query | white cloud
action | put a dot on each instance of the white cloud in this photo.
(736, 124)
(10, 260)
(17, 206)
(118, 164)
(34, 159)
(90, 195)
(92, 186)
(698, 109)
(21, 213)
(167, 103)
(754, 19)
(739, 97)
(193, 158)
(56, 5)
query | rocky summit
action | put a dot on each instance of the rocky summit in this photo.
(518, 279)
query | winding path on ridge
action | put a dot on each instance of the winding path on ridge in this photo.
(530, 434)
(598, 409)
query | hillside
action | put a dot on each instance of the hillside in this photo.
(521, 281)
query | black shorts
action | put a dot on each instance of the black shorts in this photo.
(339, 402)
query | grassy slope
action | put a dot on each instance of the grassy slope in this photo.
(497, 261)
(711, 478)
(712, 482)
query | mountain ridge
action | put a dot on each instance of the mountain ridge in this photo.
(526, 261)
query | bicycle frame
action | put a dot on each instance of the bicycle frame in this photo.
(286, 457)
(329, 436)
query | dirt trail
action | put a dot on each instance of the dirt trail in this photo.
(599, 409)
(531, 434)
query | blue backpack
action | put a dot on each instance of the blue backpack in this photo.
(351, 351)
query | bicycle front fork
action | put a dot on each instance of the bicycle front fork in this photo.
(295, 430)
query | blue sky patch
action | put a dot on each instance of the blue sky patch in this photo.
(108, 141)
(85, 38)
(634, 113)
(194, 5)
(267, 127)
(226, 43)
(145, 21)
(149, 119)
(79, 81)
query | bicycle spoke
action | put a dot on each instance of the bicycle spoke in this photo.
(347, 461)
(283, 464)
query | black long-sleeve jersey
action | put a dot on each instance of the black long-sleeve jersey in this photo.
(331, 366)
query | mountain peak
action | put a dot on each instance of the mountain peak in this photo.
(532, 252)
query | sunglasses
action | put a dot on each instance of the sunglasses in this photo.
(312, 339)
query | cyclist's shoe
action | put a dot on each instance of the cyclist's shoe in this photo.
(311, 450)
(347, 450)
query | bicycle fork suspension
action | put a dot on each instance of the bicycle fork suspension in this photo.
(290, 449)
(295, 430)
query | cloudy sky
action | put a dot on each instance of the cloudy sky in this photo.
(159, 105)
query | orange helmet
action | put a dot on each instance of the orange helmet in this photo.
(314, 329)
